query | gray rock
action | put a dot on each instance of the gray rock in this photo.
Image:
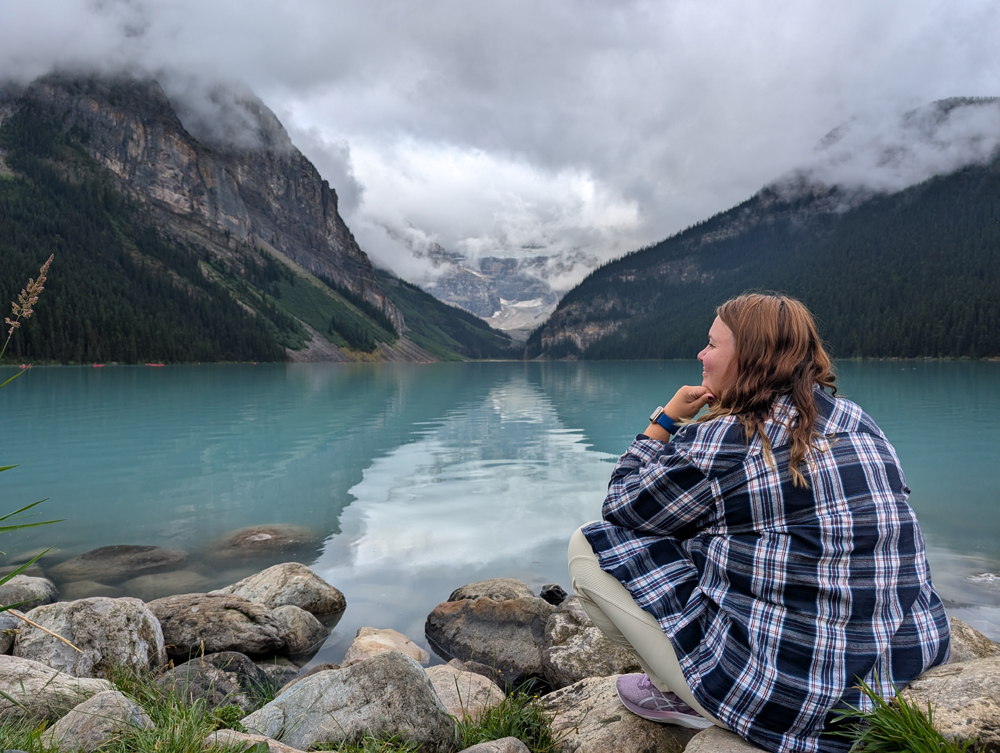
(205, 623)
(32, 690)
(588, 717)
(289, 583)
(229, 739)
(223, 679)
(111, 564)
(466, 695)
(86, 589)
(94, 722)
(388, 694)
(369, 642)
(279, 670)
(508, 635)
(965, 698)
(718, 740)
(259, 541)
(575, 648)
(968, 643)
(304, 635)
(498, 589)
(503, 745)
(109, 632)
(9, 625)
(158, 585)
(553, 593)
(28, 592)
(327, 667)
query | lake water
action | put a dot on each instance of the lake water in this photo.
(417, 479)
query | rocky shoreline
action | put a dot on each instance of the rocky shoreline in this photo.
(256, 635)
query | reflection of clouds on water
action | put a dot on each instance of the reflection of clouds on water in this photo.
(494, 490)
(494, 480)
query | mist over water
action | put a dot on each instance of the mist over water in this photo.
(416, 479)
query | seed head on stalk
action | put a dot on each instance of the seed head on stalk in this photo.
(24, 306)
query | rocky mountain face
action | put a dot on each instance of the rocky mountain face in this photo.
(888, 273)
(510, 294)
(224, 198)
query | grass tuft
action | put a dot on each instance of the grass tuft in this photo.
(518, 715)
(895, 726)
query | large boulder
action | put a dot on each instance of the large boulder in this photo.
(264, 541)
(112, 564)
(226, 678)
(158, 585)
(28, 592)
(109, 633)
(206, 623)
(508, 635)
(498, 589)
(30, 689)
(304, 635)
(85, 589)
(588, 717)
(289, 584)
(388, 694)
(93, 723)
(371, 642)
(575, 648)
(466, 695)
(718, 740)
(968, 643)
(965, 698)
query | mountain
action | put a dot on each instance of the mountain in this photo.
(888, 273)
(172, 247)
(511, 294)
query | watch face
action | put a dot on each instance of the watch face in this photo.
(656, 415)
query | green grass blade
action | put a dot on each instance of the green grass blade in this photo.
(26, 507)
(11, 379)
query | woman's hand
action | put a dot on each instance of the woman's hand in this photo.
(687, 402)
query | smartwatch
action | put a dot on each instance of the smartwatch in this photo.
(661, 418)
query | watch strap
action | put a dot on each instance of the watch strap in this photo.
(664, 421)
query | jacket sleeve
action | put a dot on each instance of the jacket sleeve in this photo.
(655, 489)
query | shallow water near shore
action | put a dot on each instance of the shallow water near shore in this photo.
(416, 479)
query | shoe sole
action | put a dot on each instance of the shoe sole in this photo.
(668, 717)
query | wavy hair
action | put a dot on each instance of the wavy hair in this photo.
(778, 351)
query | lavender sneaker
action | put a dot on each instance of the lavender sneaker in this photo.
(643, 699)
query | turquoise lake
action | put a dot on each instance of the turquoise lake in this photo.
(416, 479)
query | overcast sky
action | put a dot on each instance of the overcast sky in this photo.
(516, 126)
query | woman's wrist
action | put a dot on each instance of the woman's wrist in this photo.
(657, 432)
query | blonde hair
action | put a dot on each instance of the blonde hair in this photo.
(777, 352)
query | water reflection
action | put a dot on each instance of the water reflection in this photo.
(419, 478)
(462, 503)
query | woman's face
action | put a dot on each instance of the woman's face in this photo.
(717, 358)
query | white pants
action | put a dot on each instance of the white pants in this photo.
(613, 610)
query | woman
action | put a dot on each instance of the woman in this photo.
(762, 559)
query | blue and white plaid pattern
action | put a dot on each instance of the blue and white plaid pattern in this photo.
(776, 598)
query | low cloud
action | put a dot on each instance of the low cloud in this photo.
(570, 128)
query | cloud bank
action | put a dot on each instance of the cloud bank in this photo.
(520, 128)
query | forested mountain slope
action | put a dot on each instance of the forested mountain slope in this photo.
(169, 249)
(910, 274)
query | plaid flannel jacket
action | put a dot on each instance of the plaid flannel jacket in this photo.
(777, 599)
